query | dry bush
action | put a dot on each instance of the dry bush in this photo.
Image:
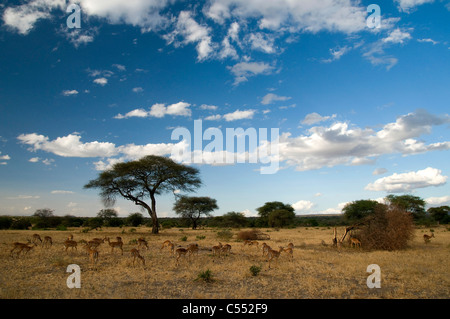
(389, 228)
(253, 234)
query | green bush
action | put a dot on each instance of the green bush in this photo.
(225, 234)
(205, 276)
(255, 270)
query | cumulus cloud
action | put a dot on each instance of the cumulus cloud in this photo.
(314, 118)
(159, 110)
(244, 70)
(101, 81)
(344, 144)
(239, 115)
(406, 182)
(409, 5)
(438, 201)
(397, 36)
(303, 205)
(271, 97)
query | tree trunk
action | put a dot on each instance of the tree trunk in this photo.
(155, 228)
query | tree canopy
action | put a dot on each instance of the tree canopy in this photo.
(265, 211)
(145, 178)
(193, 208)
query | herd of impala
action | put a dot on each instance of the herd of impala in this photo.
(219, 250)
(91, 248)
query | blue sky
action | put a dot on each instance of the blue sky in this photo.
(362, 112)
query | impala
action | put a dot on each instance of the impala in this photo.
(217, 249)
(114, 244)
(180, 252)
(93, 254)
(265, 248)
(251, 243)
(48, 242)
(290, 251)
(22, 247)
(68, 243)
(36, 238)
(169, 244)
(193, 248)
(271, 254)
(142, 242)
(226, 249)
(355, 242)
(135, 254)
(427, 238)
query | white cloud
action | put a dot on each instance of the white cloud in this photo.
(336, 54)
(138, 89)
(69, 92)
(270, 98)
(68, 146)
(406, 182)
(409, 5)
(101, 81)
(61, 192)
(239, 115)
(262, 42)
(303, 206)
(192, 32)
(438, 201)
(208, 107)
(397, 36)
(379, 171)
(307, 16)
(243, 70)
(345, 144)
(23, 17)
(34, 159)
(313, 118)
(159, 110)
(428, 41)
(5, 157)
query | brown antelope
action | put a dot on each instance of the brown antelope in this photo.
(70, 237)
(142, 242)
(271, 254)
(226, 249)
(355, 242)
(22, 247)
(48, 242)
(251, 243)
(193, 248)
(70, 244)
(114, 244)
(217, 249)
(169, 244)
(93, 254)
(36, 238)
(290, 251)
(427, 238)
(180, 252)
(135, 254)
(265, 248)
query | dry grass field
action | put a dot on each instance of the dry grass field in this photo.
(317, 271)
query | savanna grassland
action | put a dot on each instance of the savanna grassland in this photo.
(317, 271)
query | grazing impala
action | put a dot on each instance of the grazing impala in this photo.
(180, 252)
(135, 254)
(271, 254)
(427, 238)
(290, 251)
(169, 244)
(226, 249)
(22, 247)
(142, 242)
(48, 242)
(217, 249)
(355, 242)
(193, 248)
(114, 244)
(93, 254)
(36, 238)
(265, 248)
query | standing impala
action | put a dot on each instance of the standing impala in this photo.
(427, 238)
(271, 254)
(114, 244)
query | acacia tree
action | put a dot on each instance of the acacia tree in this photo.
(265, 210)
(194, 207)
(145, 178)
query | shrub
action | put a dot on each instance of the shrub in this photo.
(5, 222)
(225, 234)
(206, 276)
(389, 228)
(253, 234)
(184, 238)
(255, 270)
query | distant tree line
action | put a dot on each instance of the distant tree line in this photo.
(195, 212)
